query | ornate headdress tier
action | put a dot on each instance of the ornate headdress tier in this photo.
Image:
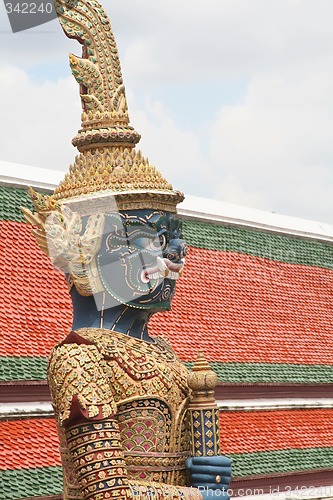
(108, 162)
(122, 172)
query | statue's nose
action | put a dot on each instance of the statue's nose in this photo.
(176, 250)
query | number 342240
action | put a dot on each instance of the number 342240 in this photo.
(29, 8)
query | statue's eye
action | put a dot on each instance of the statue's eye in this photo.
(155, 244)
(173, 256)
(162, 239)
(150, 244)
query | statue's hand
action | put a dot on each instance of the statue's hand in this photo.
(211, 475)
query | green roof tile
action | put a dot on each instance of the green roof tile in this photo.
(275, 247)
(25, 483)
(34, 368)
(11, 199)
(279, 373)
(282, 461)
(209, 236)
(22, 368)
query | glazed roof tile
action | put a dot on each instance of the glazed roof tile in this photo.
(259, 443)
(22, 368)
(261, 319)
(23, 483)
(267, 463)
(280, 248)
(282, 373)
(280, 323)
(11, 199)
(39, 314)
(29, 444)
(245, 309)
(257, 431)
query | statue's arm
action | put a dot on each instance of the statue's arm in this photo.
(98, 457)
(85, 408)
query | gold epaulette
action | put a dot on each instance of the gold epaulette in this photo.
(78, 371)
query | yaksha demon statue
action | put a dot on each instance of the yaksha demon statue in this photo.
(120, 396)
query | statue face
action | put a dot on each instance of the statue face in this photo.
(141, 257)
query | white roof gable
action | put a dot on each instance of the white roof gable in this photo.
(194, 208)
(18, 175)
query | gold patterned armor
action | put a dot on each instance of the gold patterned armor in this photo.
(133, 397)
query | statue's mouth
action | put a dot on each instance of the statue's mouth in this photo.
(163, 269)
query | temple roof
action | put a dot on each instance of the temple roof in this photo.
(31, 466)
(256, 297)
(280, 441)
(268, 302)
(275, 442)
(207, 210)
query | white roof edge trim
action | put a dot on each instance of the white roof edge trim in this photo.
(193, 207)
(13, 182)
(227, 214)
(18, 175)
(230, 405)
(12, 409)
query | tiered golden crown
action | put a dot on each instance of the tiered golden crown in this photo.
(108, 162)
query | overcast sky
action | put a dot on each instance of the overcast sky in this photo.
(233, 98)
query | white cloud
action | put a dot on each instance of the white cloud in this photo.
(37, 121)
(223, 38)
(175, 152)
(269, 147)
(276, 147)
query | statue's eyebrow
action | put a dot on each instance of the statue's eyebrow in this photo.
(127, 217)
(156, 221)
(153, 214)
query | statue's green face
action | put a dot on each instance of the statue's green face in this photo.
(141, 257)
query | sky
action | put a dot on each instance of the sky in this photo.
(233, 98)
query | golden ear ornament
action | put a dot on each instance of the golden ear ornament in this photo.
(60, 234)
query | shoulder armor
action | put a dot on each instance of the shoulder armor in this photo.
(77, 372)
(135, 367)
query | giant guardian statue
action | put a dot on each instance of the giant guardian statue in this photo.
(120, 396)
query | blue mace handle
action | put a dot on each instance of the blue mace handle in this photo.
(203, 410)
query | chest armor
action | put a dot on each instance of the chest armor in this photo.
(149, 388)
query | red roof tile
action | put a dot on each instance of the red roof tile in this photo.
(246, 432)
(236, 307)
(35, 307)
(34, 443)
(241, 308)
(29, 444)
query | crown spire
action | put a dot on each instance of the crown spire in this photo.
(108, 163)
(105, 119)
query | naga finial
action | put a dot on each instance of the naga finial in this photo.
(105, 117)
